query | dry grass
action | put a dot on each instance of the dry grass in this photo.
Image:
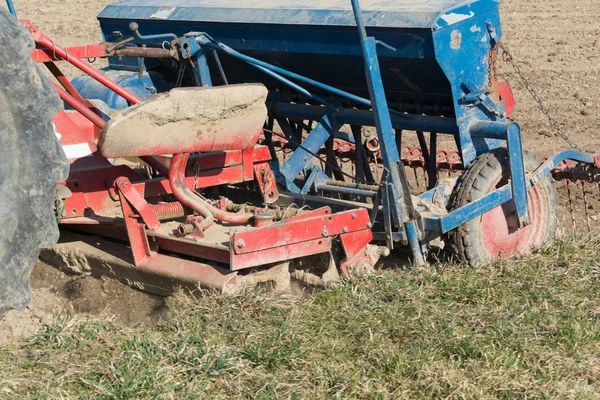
(526, 329)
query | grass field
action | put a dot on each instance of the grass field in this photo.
(520, 329)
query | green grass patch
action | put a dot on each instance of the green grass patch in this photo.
(513, 329)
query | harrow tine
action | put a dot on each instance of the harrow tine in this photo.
(571, 206)
(416, 177)
(587, 210)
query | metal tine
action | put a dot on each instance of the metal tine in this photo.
(416, 177)
(587, 210)
(571, 205)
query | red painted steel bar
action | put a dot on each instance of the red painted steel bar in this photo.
(190, 199)
(89, 51)
(64, 81)
(156, 165)
(44, 41)
(183, 193)
(80, 107)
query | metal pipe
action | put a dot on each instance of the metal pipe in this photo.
(372, 188)
(230, 217)
(183, 193)
(156, 165)
(11, 7)
(491, 129)
(63, 80)
(364, 117)
(80, 107)
(362, 32)
(192, 200)
(413, 241)
(44, 41)
(146, 52)
(276, 72)
(346, 190)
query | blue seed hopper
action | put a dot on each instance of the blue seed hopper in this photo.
(441, 48)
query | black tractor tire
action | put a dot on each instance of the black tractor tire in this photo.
(32, 163)
(496, 234)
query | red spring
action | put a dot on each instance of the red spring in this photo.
(168, 210)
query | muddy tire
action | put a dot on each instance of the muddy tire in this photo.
(495, 233)
(32, 163)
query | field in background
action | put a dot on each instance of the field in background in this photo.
(526, 329)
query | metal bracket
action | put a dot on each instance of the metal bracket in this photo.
(480, 97)
(511, 132)
(302, 157)
(137, 202)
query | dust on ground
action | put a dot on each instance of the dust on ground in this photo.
(555, 42)
(53, 291)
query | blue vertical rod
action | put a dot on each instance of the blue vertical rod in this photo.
(11, 7)
(385, 133)
(415, 246)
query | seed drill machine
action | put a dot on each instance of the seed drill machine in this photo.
(237, 142)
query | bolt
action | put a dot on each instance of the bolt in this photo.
(353, 215)
(240, 243)
(345, 229)
(125, 185)
(369, 225)
(325, 232)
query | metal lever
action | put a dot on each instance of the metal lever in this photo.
(134, 27)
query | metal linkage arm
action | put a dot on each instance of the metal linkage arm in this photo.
(498, 197)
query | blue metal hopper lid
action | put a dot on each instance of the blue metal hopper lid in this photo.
(376, 13)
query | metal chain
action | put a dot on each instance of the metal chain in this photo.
(508, 57)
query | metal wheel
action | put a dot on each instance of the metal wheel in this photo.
(496, 233)
(32, 163)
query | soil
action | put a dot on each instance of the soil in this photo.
(556, 44)
(53, 291)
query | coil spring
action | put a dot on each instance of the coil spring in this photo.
(165, 211)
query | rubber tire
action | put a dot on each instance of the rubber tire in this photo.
(481, 178)
(32, 162)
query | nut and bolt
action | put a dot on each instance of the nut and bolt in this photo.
(369, 225)
(353, 215)
(325, 232)
(345, 229)
(240, 243)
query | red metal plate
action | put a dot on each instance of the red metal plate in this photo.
(279, 254)
(288, 232)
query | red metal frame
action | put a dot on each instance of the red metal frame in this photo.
(120, 202)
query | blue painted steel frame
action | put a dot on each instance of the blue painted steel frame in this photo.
(389, 151)
(444, 224)
(511, 133)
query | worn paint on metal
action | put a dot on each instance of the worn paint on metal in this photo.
(376, 13)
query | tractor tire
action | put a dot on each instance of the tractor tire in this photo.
(32, 163)
(495, 233)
